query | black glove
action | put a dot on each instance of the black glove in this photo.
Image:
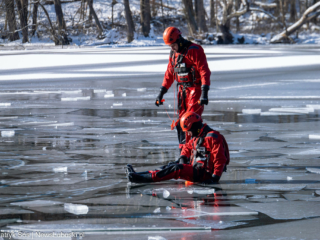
(214, 180)
(158, 102)
(183, 159)
(204, 95)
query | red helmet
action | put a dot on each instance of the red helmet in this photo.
(170, 35)
(188, 119)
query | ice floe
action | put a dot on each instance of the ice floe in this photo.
(251, 111)
(74, 99)
(7, 133)
(76, 209)
(313, 170)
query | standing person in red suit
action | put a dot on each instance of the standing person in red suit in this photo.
(188, 66)
(203, 159)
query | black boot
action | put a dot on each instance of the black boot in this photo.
(140, 178)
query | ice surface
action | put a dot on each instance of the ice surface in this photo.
(7, 133)
(251, 111)
(282, 187)
(313, 170)
(75, 98)
(60, 169)
(109, 95)
(286, 210)
(141, 89)
(76, 209)
(99, 90)
(314, 136)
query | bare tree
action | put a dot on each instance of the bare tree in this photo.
(34, 18)
(293, 10)
(228, 13)
(96, 19)
(130, 24)
(13, 35)
(311, 13)
(212, 13)
(189, 13)
(59, 13)
(201, 17)
(145, 17)
(22, 6)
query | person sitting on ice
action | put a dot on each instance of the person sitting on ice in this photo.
(202, 159)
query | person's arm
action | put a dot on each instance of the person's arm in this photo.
(186, 150)
(217, 156)
(166, 83)
(199, 59)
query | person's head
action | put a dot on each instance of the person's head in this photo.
(172, 37)
(191, 123)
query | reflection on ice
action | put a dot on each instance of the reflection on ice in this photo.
(75, 99)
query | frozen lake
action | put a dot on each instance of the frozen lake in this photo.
(71, 119)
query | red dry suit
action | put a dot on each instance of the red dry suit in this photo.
(208, 153)
(190, 69)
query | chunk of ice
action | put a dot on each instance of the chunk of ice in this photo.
(313, 106)
(313, 170)
(157, 210)
(166, 193)
(76, 209)
(117, 104)
(60, 169)
(99, 90)
(156, 238)
(124, 95)
(314, 136)
(36, 203)
(289, 178)
(108, 95)
(7, 133)
(141, 89)
(168, 208)
(282, 187)
(203, 191)
(68, 99)
(251, 111)
(293, 110)
(5, 104)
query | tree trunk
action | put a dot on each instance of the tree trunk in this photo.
(145, 17)
(96, 19)
(237, 5)
(130, 24)
(153, 8)
(284, 36)
(293, 10)
(212, 15)
(201, 17)
(22, 6)
(90, 12)
(226, 35)
(188, 10)
(13, 35)
(34, 18)
(196, 11)
(59, 13)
